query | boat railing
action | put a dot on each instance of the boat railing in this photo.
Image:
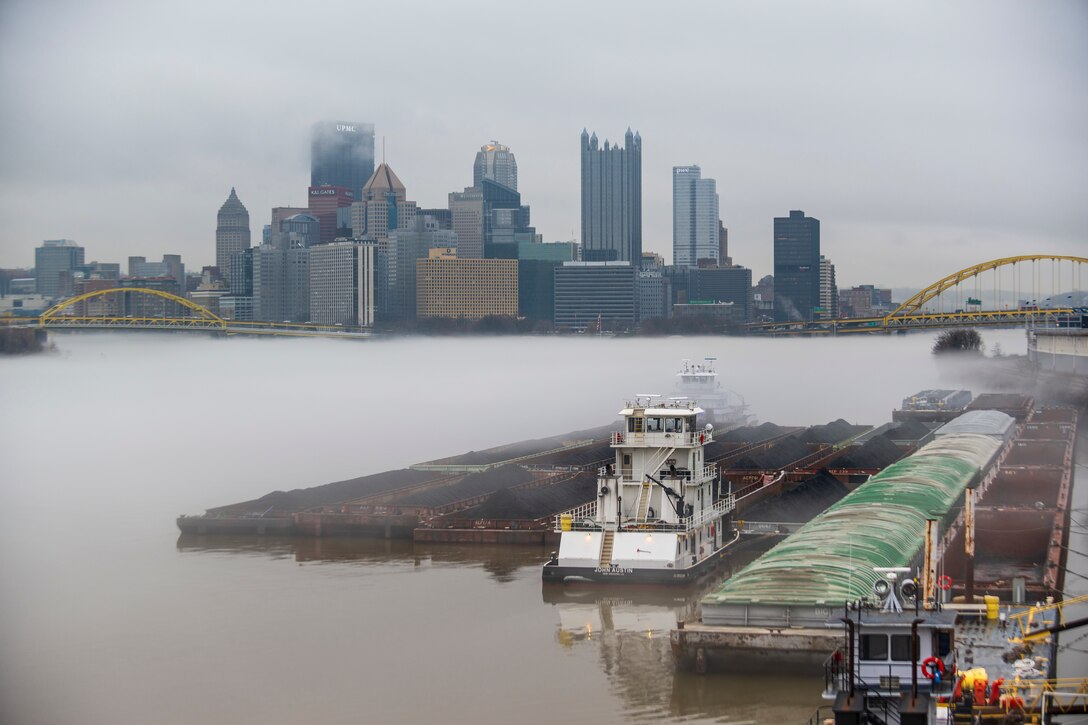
(576, 518)
(663, 438)
(722, 507)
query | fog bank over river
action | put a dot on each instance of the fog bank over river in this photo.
(105, 616)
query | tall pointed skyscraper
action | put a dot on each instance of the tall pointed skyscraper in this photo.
(612, 199)
(231, 232)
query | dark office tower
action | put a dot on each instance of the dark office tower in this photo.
(342, 154)
(612, 199)
(495, 162)
(796, 267)
(231, 232)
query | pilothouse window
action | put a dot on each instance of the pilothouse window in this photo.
(901, 647)
(654, 425)
(874, 647)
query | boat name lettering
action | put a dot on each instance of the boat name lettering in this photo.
(613, 570)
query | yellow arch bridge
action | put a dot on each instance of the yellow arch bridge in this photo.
(138, 308)
(956, 300)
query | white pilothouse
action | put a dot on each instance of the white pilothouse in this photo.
(659, 516)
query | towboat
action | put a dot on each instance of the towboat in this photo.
(699, 382)
(659, 516)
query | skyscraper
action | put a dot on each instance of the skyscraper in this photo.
(383, 207)
(496, 162)
(342, 154)
(324, 201)
(342, 283)
(231, 232)
(54, 262)
(829, 291)
(796, 267)
(612, 199)
(695, 223)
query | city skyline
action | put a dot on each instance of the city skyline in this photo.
(959, 144)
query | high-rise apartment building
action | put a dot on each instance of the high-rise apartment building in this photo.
(342, 154)
(231, 232)
(829, 292)
(495, 162)
(342, 283)
(54, 263)
(695, 222)
(796, 267)
(612, 199)
(325, 200)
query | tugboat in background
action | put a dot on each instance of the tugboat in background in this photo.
(724, 408)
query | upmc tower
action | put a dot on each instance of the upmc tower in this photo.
(342, 154)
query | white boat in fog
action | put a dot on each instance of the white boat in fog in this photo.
(699, 382)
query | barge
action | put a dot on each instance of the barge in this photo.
(951, 619)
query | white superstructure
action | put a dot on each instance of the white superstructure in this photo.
(658, 515)
(699, 382)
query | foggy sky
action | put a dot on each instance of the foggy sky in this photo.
(932, 134)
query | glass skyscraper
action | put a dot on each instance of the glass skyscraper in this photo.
(695, 222)
(612, 199)
(342, 154)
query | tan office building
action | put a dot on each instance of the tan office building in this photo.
(447, 286)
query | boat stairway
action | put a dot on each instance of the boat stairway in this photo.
(644, 501)
(606, 548)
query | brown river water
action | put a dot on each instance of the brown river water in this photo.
(108, 616)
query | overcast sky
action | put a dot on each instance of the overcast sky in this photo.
(926, 136)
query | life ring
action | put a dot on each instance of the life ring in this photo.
(933, 668)
(702, 437)
(944, 582)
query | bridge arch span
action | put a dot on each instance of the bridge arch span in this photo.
(934, 290)
(57, 314)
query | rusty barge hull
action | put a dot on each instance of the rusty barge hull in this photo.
(1022, 523)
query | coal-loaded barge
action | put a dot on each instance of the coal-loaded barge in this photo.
(518, 493)
(959, 547)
